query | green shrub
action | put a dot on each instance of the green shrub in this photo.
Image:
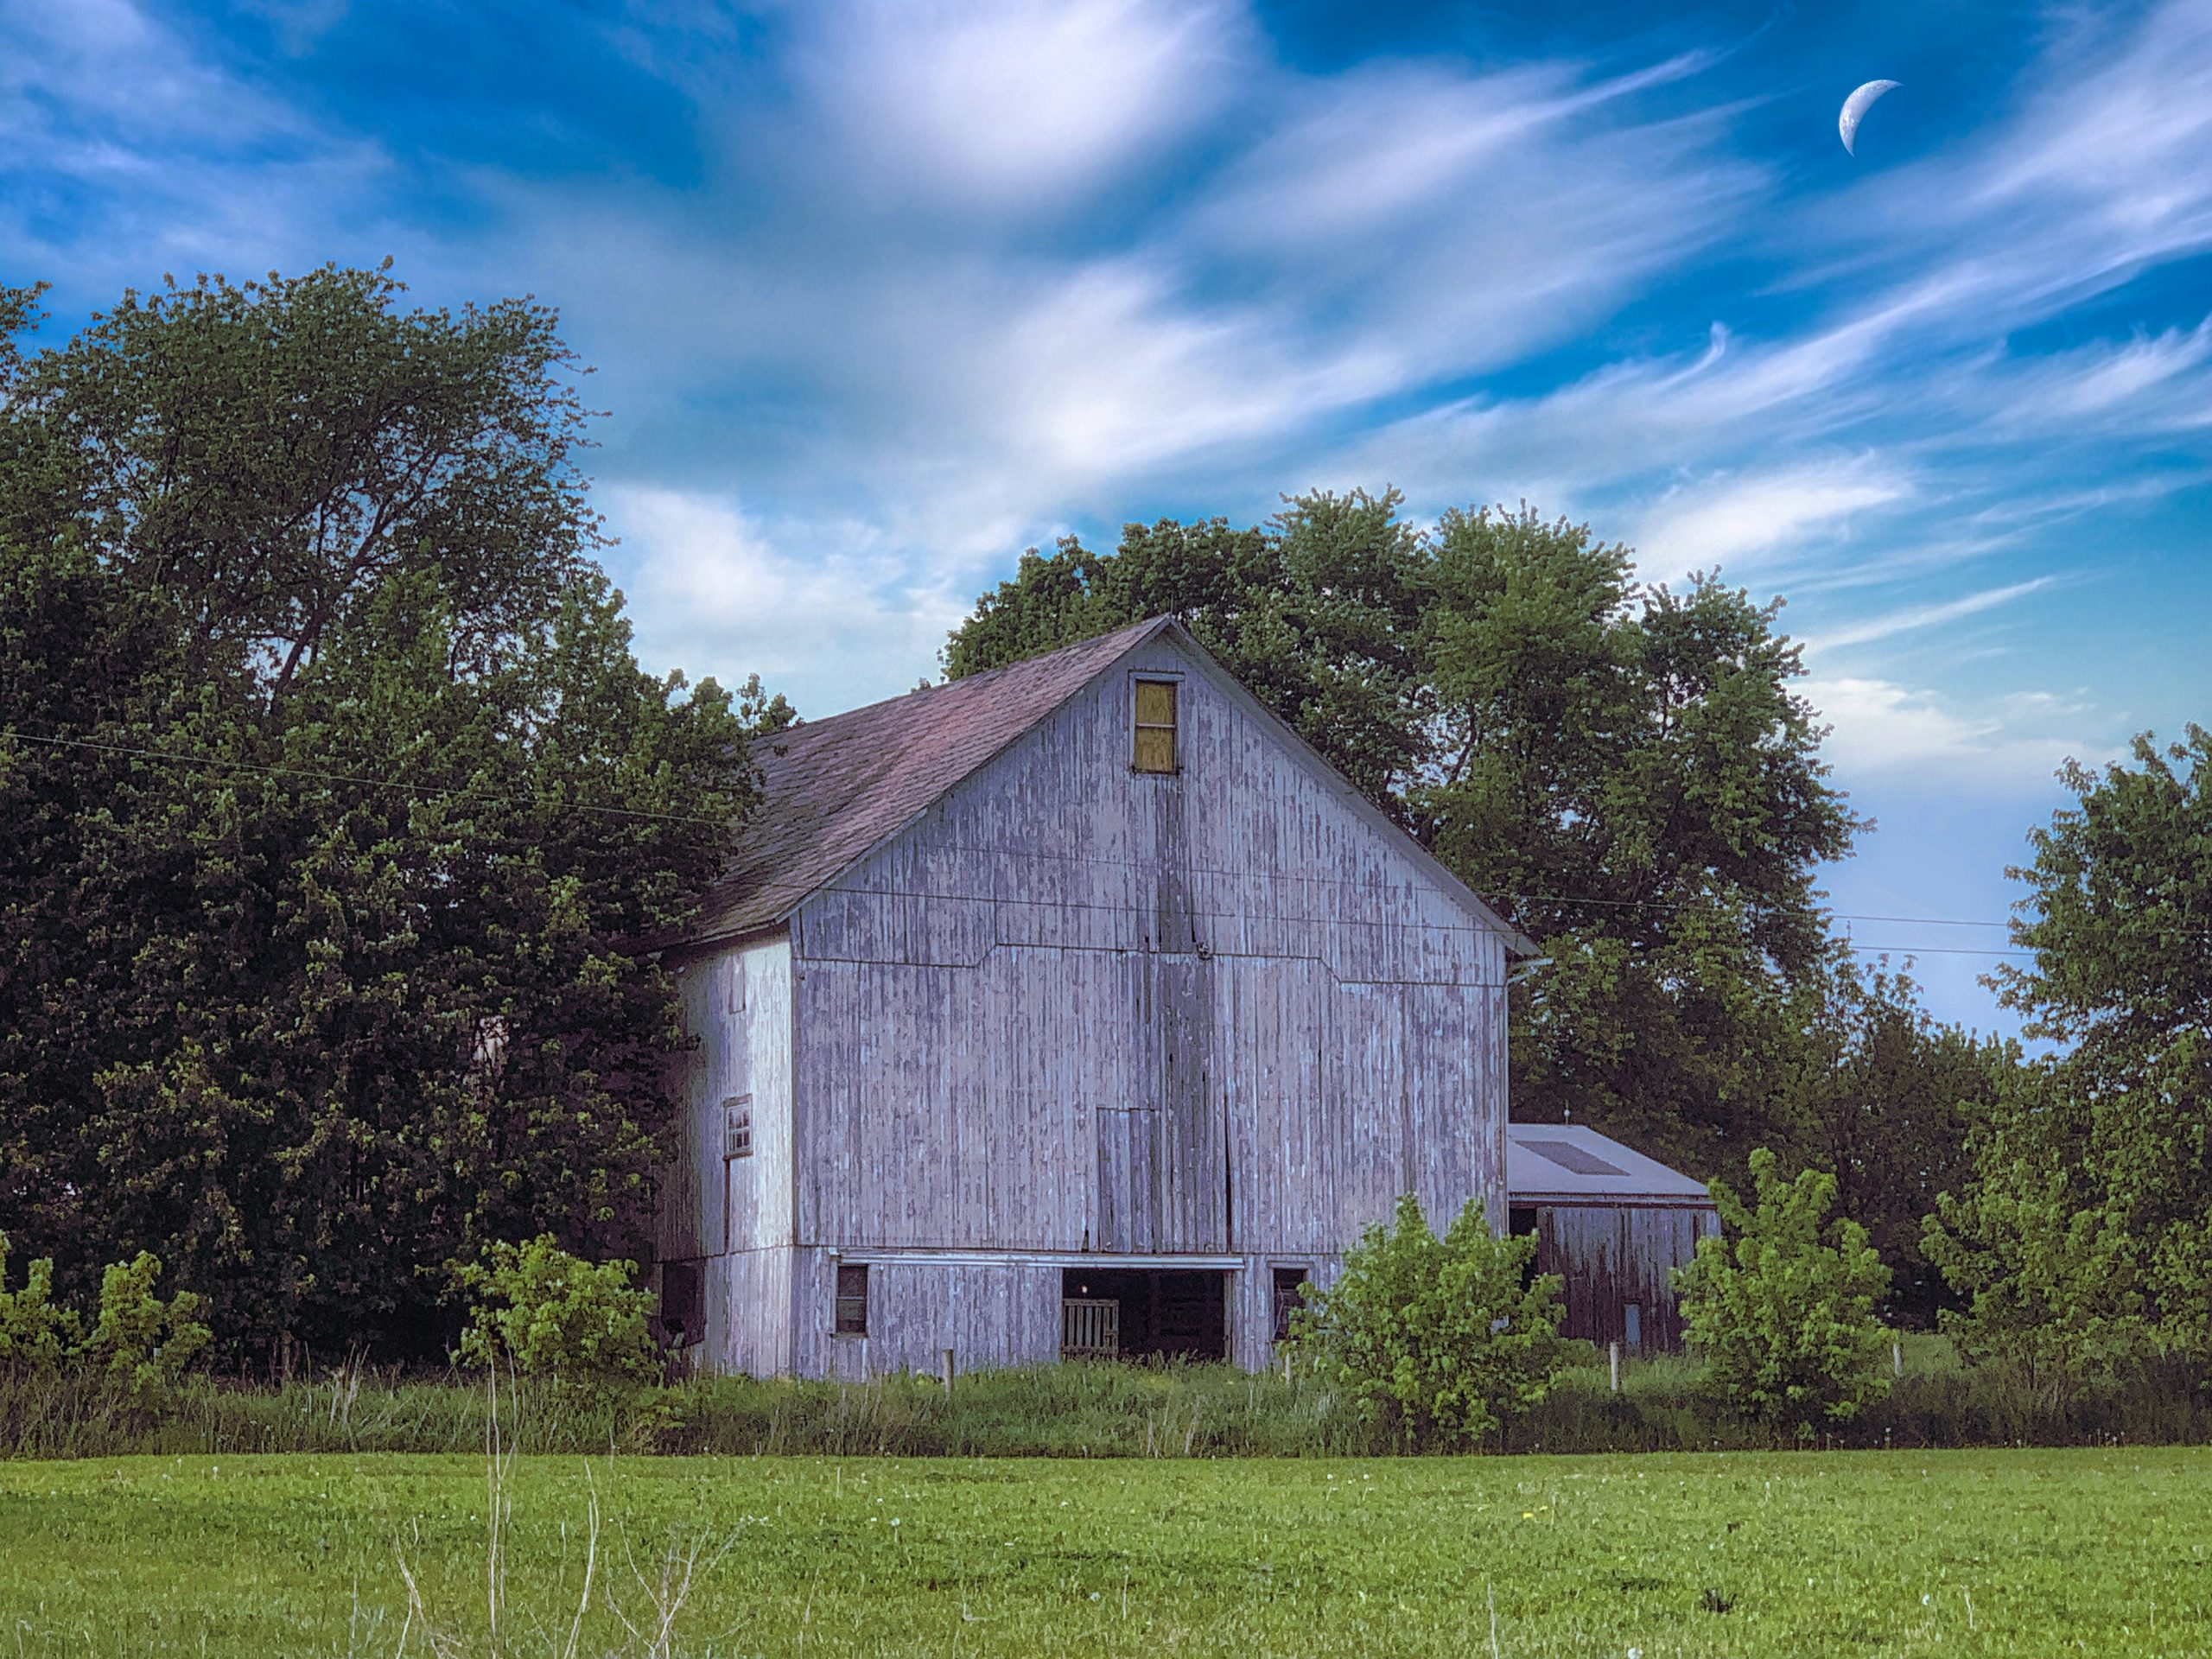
(1782, 1313)
(551, 1314)
(142, 1342)
(2053, 1289)
(35, 1336)
(1438, 1341)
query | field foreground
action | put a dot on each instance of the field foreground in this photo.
(2023, 1552)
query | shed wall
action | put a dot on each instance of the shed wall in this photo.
(1613, 1255)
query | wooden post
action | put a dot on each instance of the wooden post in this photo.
(1286, 1365)
(1897, 1359)
(947, 1363)
(1613, 1355)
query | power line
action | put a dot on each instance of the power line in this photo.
(427, 791)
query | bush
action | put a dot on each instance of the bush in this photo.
(554, 1315)
(141, 1341)
(1783, 1313)
(2053, 1289)
(35, 1336)
(1439, 1341)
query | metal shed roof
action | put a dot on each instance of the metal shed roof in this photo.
(1568, 1163)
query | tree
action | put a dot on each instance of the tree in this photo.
(1625, 772)
(265, 455)
(336, 813)
(2118, 917)
(2052, 1284)
(1439, 1341)
(1782, 1309)
(1886, 1097)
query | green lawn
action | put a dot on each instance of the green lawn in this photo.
(2031, 1552)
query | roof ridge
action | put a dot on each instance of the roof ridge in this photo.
(983, 677)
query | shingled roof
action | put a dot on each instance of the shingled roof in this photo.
(834, 790)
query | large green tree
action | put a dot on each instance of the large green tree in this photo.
(334, 809)
(2118, 1137)
(1628, 769)
(1624, 771)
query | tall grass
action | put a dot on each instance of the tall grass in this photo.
(1093, 1410)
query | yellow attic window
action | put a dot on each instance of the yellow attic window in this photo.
(1155, 725)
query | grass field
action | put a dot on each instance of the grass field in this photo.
(2011, 1552)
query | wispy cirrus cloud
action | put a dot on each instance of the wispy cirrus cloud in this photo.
(924, 283)
(1912, 617)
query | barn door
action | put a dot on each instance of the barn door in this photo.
(1163, 1165)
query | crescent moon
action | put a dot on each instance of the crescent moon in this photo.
(1855, 108)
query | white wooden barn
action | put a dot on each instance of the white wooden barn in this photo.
(1075, 1008)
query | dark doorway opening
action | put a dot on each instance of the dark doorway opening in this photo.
(1165, 1312)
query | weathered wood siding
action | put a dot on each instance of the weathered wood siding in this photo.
(1612, 1254)
(990, 1314)
(737, 1213)
(1078, 1008)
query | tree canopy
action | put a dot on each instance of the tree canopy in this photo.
(2115, 1138)
(1622, 771)
(333, 808)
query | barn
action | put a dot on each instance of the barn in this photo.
(1610, 1221)
(1078, 1008)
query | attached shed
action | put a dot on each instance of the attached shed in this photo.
(1610, 1221)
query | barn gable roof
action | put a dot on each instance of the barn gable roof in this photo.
(1568, 1163)
(835, 789)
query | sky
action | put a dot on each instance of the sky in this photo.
(877, 295)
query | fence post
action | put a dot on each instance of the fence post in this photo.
(947, 1364)
(1286, 1365)
(1613, 1358)
(1897, 1359)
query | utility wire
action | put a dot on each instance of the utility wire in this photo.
(426, 790)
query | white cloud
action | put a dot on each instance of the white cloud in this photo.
(818, 611)
(1731, 522)
(1883, 727)
(1911, 618)
(1014, 103)
(1456, 221)
(124, 155)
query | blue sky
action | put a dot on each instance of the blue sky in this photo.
(879, 296)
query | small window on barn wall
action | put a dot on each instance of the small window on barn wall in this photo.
(1632, 1325)
(1520, 1222)
(1290, 1293)
(737, 1126)
(683, 1301)
(852, 1301)
(1154, 745)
